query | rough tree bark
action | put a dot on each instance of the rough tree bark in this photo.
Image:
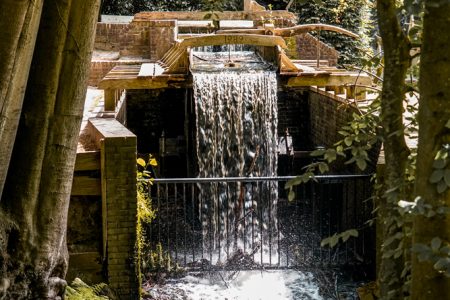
(434, 113)
(397, 60)
(37, 190)
(19, 22)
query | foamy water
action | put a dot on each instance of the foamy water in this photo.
(248, 285)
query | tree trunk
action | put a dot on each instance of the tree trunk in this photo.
(37, 192)
(434, 113)
(19, 22)
(396, 57)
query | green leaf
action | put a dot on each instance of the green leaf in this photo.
(330, 155)
(439, 164)
(318, 152)
(293, 182)
(141, 162)
(353, 232)
(334, 240)
(445, 250)
(323, 167)
(436, 176)
(207, 16)
(153, 162)
(419, 248)
(436, 243)
(442, 264)
(348, 141)
(325, 241)
(441, 187)
(447, 177)
(361, 163)
(291, 195)
(447, 124)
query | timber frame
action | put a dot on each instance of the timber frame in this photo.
(172, 70)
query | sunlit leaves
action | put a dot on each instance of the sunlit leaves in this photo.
(333, 240)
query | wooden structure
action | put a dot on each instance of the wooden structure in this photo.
(172, 69)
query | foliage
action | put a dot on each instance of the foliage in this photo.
(352, 15)
(145, 212)
(131, 7)
(335, 238)
(79, 290)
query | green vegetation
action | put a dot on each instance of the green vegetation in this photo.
(145, 211)
(79, 290)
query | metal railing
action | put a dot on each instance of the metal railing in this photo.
(249, 223)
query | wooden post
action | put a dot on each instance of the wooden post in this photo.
(350, 90)
(360, 93)
(110, 101)
(339, 90)
(247, 5)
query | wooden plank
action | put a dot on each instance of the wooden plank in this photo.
(293, 31)
(87, 161)
(227, 39)
(110, 100)
(142, 83)
(103, 193)
(86, 186)
(330, 79)
(149, 70)
(85, 260)
(85, 265)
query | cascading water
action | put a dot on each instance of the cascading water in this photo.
(236, 118)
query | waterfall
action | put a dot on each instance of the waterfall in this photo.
(236, 130)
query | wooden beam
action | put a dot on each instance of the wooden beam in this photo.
(158, 82)
(86, 186)
(327, 79)
(227, 39)
(305, 28)
(292, 31)
(110, 100)
(87, 161)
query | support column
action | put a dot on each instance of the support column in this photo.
(119, 204)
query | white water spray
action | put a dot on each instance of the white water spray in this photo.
(236, 122)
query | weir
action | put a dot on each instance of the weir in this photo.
(231, 115)
(236, 130)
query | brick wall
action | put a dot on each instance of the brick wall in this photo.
(307, 46)
(109, 36)
(147, 39)
(293, 114)
(328, 114)
(119, 204)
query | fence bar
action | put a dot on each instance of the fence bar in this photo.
(198, 220)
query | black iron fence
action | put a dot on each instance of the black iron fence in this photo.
(250, 223)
